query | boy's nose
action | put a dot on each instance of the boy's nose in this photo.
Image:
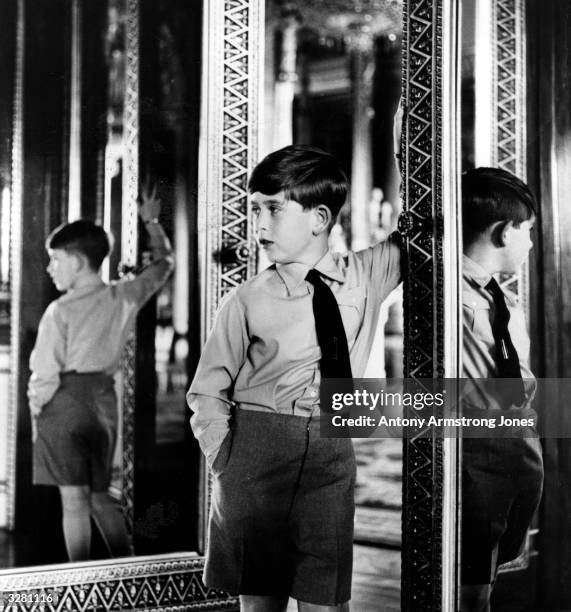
(262, 221)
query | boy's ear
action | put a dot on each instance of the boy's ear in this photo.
(323, 217)
(501, 233)
(80, 262)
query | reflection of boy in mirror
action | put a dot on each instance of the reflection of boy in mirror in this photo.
(501, 477)
(80, 341)
(281, 520)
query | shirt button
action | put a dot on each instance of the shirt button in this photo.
(313, 393)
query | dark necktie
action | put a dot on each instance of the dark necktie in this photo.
(507, 359)
(331, 336)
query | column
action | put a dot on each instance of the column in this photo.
(361, 43)
(286, 77)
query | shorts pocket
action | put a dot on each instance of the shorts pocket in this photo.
(223, 455)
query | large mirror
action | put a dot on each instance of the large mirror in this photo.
(123, 110)
(493, 125)
(514, 118)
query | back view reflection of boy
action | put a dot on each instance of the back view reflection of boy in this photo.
(78, 349)
(501, 477)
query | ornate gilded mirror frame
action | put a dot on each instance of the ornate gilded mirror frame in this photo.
(429, 225)
(229, 144)
(15, 273)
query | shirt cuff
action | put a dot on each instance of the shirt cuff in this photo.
(209, 423)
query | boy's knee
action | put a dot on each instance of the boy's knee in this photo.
(74, 499)
(263, 603)
(101, 502)
(308, 607)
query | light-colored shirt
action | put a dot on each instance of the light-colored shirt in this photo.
(262, 353)
(479, 347)
(85, 330)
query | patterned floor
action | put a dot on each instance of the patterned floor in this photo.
(378, 494)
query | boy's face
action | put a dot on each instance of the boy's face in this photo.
(63, 268)
(284, 229)
(517, 245)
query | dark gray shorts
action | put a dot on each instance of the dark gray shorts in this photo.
(281, 520)
(77, 432)
(502, 481)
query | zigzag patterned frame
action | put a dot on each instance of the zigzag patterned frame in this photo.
(129, 244)
(16, 209)
(169, 583)
(429, 226)
(423, 309)
(229, 144)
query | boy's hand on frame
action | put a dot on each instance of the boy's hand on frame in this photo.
(150, 204)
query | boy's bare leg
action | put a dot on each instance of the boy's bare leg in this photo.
(76, 508)
(111, 524)
(263, 603)
(303, 606)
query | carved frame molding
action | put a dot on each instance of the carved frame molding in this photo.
(129, 244)
(16, 206)
(429, 225)
(229, 143)
(163, 582)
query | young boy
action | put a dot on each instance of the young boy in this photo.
(78, 349)
(501, 477)
(281, 520)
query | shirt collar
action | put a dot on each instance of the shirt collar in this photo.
(474, 272)
(81, 291)
(293, 274)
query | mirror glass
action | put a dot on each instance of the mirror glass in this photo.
(155, 463)
(493, 73)
(333, 80)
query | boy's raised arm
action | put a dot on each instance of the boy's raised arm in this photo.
(161, 264)
(382, 263)
(149, 210)
(158, 241)
(209, 396)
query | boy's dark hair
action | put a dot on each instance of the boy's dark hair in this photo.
(490, 195)
(83, 237)
(305, 174)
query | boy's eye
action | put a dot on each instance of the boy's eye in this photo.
(256, 211)
(274, 209)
